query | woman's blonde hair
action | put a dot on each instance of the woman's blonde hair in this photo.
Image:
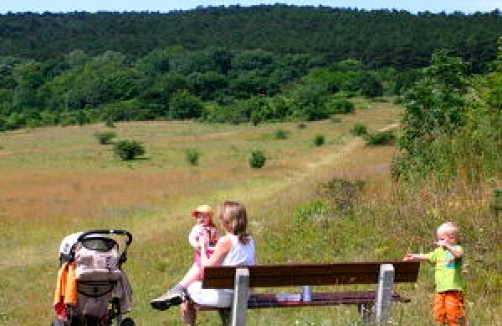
(233, 216)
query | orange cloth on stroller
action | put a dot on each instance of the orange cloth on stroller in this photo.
(66, 289)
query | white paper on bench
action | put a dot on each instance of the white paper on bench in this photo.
(288, 296)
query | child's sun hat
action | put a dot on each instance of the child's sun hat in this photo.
(204, 209)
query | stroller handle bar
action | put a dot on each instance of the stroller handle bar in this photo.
(128, 235)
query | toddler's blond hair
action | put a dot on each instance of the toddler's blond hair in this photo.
(448, 228)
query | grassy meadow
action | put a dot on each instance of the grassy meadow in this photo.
(56, 181)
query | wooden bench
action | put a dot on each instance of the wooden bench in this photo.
(373, 305)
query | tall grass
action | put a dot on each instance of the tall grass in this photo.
(55, 181)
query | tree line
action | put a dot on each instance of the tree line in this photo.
(378, 38)
(214, 84)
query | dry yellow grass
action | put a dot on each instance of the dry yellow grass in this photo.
(54, 181)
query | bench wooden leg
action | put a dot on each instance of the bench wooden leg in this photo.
(379, 312)
(241, 295)
(384, 293)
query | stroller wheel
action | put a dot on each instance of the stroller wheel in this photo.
(127, 322)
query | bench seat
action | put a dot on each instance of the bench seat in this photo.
(373, 306)
(292, 300)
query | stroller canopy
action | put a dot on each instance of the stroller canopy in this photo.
(67, 244)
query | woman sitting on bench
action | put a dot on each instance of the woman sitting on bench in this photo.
(235, 248)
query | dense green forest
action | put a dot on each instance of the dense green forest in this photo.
(378, 38)
(223, 64)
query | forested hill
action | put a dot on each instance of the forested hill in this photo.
(378, 38)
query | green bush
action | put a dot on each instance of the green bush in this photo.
(341, 106)
(183, 105)
(110, 123)
(192, 156)
(319, 140)
(280, 134)
(105, 137)
(314, 210)
(438, 108)
(359, 129)
(257, 159)
(380, 138)
(128, 149)
(335, 119)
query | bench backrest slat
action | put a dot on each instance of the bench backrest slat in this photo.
(222, 277)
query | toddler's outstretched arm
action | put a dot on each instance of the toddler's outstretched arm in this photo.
(415, 257)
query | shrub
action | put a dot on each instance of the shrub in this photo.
(380, 138)
(437, 109)
(128, 149)
(341, 106)
(308, 102)
(105, 137)
(342, 194)
(335, 119)
(319, 140)
(110, 123)
(359, 129)
(312, 211)
(192, 156)
(281, 134)
(183, 105)
(257, 159)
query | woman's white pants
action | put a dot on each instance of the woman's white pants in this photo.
(221, 298)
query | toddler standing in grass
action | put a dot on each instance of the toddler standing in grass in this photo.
(448, 305)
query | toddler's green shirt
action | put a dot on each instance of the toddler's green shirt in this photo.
(447, 269)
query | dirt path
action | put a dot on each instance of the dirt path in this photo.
(332, 158)
(45, 252)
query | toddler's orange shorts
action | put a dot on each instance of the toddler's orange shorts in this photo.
(449, 308)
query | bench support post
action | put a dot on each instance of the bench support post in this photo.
(384, 293)
(240, 300)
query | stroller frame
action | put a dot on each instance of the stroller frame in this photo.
(99, 240)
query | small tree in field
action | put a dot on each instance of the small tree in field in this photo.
(257, 159)
(105, 137)
(110, 123)
(281, 134)
(359, 129)
(319, 140)
(192, 156)
(381, 138)
(436, 109)
(128, 149)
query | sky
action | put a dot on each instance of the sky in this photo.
(413, 6)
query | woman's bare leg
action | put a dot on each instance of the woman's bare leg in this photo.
(192, 275)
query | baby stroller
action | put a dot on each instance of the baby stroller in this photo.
(92, 289)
